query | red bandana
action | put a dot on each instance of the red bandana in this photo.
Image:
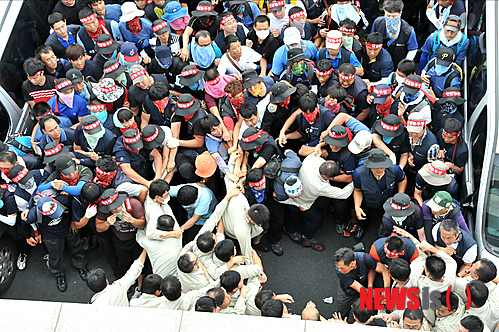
(393, 253)
(384, 109)
(71, 182)
(286, 102)
(134, 25)
(100, 30)
(103, 178)
(237, 103)
(310, 117)
(133, 126)
(188, 117)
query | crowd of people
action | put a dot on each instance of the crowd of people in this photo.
(256, 117)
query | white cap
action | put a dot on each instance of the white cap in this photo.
(416, 122)
(334, 39)
(361, 141)
(291, 36)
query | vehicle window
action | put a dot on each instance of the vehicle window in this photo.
(30, 31)
(492, 215)
(477, 147)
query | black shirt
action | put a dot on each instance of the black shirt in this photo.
(455, 153)
(267, 48)
(185, 133)
(171, 73)
(196, 25)
(91, 69)
(364, 264)
(60, 71)
(266, 152)
(399, 144)
(136, 95)
(39, 93)
(219, 39)
(70, 13)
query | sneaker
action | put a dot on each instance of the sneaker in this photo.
(261, 246)
(61, 283)
(83, 273)
(46, 257)
(359, 232)
(21, 261)
(85, 243)
(340, 228)
(350, 229)
(295, 237)
(276, 248)
(313, 243)
(136, 293)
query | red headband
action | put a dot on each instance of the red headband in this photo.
(253, 137)
(189, 72)
(37, 73)
(98, 107)
(137, 74)
(436, 171)
(159, 26)
(103, 173)
(296, 15)
(416, 123)
(346, 77)
(343, 29)
(215, 80)
(259, 183)
(393, 253)
(88, 18)
(227, 19)
(131, 140)
(105, 44)
(153, 136)
(276, 4)
(185, 105)
(450, 134)
(395, 206)
(92, 125)
(333, 40)
(52, 210)
(63, 84)
(388, 127)
(382, 92)
(110, 200)
(200, 8)
(413, 84)
(46, 113)
(375, 46)
(111, 68)
(112, 88)
(332, 134)
(323, 73)
(54, 150)
(448, 94)
(21, 175)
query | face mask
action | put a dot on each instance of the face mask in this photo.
(237, 103)
(93, 139)
(310, 117)
(387, 139)
(161, 104)
(392, 25)
(121, 79)
(164, 201)
(163, 65)
(334, 107)
(448, 108)
(262, 34)
(30, 184)
(131, 64)
(110, 57)
(300, 25)
(180, 23)
(399, 79)
(203, 56)
(440, 70)
(67, 98)
(299, 69)
(258, 91)
(410, 98)
(348, 42)
(102, 116)
(399, 220)
(194, 86)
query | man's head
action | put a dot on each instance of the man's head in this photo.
(263, 296)
(161, 30)
(394, 247)
(188, 262)
(76, 55)
(141, 77)
(203, 38)
(435, 267)
(393, 8)
(228, 23)
(256, 179)
(452, 130)
(171, 288)
(159, 94)
(259, 215)
(453, 301)
(311, 313)
(187, 195)
(273, 308)
(412, 319)
(233, 45)
(416, 124)
(374, 44)
(35, 70)
(222, 299)
(88, 18)
(449, 231)
(8, 159)
(99, 6)
(324, 70)
(151, 284)
(206, 304)
(206, 242)
(225, 250)
(57, 22)
(158, 190)
(471, 323)
(361, 316)
(308, 105)
(76, 78)
(91, 192)
(334, 40)
(399, 270)
(483, 270)
(262, 26)
(346, 75)
(40, 109)
(234, 89)
(50, 127)
(277, 8)
(405, 68)
(165, 223)
(47, 55)
(452, 25)
(96, 280)
(231, 281)
(249, 113)
(329, 169)
(344, 259)
(479, 293)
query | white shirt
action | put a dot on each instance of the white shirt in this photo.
(278, 24)
(249, 55)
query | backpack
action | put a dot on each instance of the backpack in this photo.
(456, 72)
(20, 144)
(273, 169)
(437, 43)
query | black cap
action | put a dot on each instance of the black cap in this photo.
(337, 136)
(186, 167)
(251, 77)
(186, 105)
(377, 158)
(389, 126)
(63, 85)
(399, 205)
(105, 44)
(294, 55)
(281, 91)
(91, 124)
(412, 84)
(190, 74)
(74, 75)
(153, 136)
(133, 139)
(20, 174)
(445, 56)
(65, 164)
(113, 69)
(110, 200)
(159, 27)
(53, 150)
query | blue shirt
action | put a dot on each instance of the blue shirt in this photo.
(78, 110)
(203, 206)
(113, 12)
(335, 62)
(355, 126)
(145, 33)
(64, 123)
(281, 57)
(71, 40)
(247, 20)
(428, 53)
(437, 82)
(399, 177)
(211, 144)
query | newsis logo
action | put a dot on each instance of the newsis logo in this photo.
(400, 298)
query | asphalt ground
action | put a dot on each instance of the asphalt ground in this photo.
(306, 274)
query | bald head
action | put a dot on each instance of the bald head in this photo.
(310, 314)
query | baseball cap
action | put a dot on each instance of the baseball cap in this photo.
(445, 56)
(65, 164)
(381, 92)
(164, 55)
(49, 207)
(439, 201)
(412, 84)
(291, 36)
(334, 39)
(130, 52)
(360, 142)
(453, 23)
(137, 73)
(416, 122)
(275, 6)
(74, 75)
(20, 174)
(159, 27)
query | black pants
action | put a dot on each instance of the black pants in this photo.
(373, 217)
(341, 210)
(126, 252)
(190, 234)
(276, 220)
(109, 252)
(344, 302)
(19, 233)
(55, 248)
(428, 226)
(293, 218)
